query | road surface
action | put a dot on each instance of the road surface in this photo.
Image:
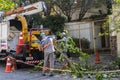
(27, 74)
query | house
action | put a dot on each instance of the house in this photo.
(90, 26)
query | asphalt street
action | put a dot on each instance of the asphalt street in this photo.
(26, 74)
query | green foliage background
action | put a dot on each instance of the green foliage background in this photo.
(55, 23)
(6, 5)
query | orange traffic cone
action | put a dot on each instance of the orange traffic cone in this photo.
(97, 57)
(20, 44)
(8, 65)
(20, 40)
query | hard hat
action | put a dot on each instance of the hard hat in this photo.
(42, 34)
(63, 33)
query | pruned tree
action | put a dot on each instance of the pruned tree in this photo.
(85, 5)
(67, 7)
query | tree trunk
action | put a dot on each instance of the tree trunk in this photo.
(69, 18)
(69, 60)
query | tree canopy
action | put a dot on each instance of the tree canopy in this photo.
(6, 5)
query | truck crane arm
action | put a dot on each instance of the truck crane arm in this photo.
(28, 10)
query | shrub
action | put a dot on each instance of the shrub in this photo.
(85, 44)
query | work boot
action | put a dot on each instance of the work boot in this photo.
(51, 74)
(43, 73)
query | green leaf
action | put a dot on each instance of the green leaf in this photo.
(6, 5)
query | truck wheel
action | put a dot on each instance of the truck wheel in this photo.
(24, 54)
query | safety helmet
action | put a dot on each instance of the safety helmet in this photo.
(43, 35)
(63, 33)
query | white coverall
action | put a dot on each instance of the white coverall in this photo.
(48, 48)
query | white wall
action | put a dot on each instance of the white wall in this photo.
(83, 30)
